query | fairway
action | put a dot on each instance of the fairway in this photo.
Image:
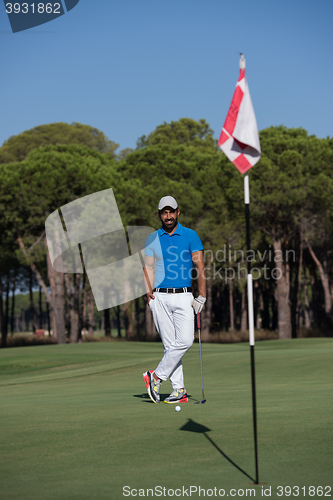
(76, 422)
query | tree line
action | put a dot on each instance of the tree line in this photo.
(291, 222)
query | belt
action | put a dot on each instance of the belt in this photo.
(174, 290)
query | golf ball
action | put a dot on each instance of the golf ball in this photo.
(178, 408)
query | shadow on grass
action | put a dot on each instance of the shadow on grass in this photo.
(146, 399)
(192, 426)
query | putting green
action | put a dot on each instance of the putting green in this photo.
(76, 423)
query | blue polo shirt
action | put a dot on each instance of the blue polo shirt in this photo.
(172, 254)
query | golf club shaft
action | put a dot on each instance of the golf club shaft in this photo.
(198, 323)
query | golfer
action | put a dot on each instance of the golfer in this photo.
(170, 254)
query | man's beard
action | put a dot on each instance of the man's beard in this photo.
(169, 227)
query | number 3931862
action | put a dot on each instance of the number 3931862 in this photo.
(305, 491)
(33, 8)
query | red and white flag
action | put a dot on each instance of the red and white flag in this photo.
(239, 139)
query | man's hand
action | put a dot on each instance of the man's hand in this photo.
(198, 304)
(150, 296)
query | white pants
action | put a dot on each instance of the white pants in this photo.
(174, 320)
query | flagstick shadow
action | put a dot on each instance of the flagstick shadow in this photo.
(229, 459)
(193, 426)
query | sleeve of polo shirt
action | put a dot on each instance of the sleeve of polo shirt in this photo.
(149, 244)
(195, 242)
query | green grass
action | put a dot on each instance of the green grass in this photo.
(75, 421)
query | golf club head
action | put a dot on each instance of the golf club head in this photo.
(200, 402)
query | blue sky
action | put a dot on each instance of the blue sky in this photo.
(126, 66)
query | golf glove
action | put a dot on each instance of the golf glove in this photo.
(198, 304)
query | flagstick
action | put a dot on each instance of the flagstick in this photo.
(251, 322)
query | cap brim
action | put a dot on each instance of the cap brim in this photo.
(165, 206)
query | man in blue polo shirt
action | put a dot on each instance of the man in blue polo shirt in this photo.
(170, 254)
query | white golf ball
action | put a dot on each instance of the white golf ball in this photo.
(178, 408)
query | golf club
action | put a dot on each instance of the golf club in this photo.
(202, 387)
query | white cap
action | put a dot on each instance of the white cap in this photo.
(167, 201)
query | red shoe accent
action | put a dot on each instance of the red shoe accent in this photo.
(184, 399)
(146, 378)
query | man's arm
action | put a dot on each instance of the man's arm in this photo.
(149, 275)
(198, 261)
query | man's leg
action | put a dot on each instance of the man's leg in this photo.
(177, 335)
(163, 318)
